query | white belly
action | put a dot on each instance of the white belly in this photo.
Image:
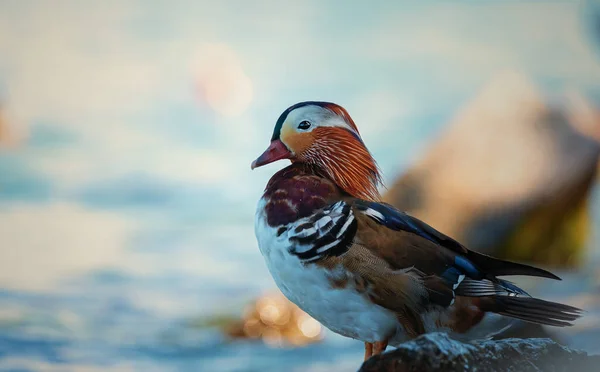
(344, 311)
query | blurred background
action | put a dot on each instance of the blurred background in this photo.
(127, 129)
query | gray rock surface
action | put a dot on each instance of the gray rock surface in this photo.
(438, 352)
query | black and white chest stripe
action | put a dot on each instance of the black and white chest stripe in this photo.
(328, 232)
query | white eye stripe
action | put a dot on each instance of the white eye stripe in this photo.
(317, 116)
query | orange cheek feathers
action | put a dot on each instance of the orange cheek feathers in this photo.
(298, 143)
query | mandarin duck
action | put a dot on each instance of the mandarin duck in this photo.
(360, 267)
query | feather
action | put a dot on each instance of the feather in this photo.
(473, 263)
(532, 310)
(465, 273)
(328, 232)
(497, 267)
(481, 288)
(344, 159)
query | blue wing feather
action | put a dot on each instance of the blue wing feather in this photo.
(397, 220)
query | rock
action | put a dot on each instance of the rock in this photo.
(511, 176)
(438, 352)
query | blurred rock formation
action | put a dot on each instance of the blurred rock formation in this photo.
(511, 175)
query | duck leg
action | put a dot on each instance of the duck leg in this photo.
(368, 350)
(379, 347)
(375, 348)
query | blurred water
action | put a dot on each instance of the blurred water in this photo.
(122, 320)
(112, 319)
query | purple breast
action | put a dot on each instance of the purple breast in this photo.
(292, 196)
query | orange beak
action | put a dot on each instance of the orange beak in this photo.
(276, 151)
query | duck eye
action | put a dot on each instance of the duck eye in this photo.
(304, 125)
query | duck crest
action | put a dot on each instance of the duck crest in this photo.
(344, 159)
(296, 192)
